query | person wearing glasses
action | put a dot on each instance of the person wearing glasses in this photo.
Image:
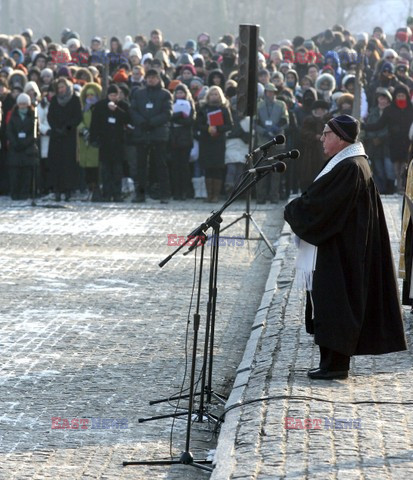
(344, 258)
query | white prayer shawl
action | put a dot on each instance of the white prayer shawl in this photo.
(307, 253)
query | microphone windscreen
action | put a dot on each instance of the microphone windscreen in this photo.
(280, 167)
(280, 139)
(295, 154)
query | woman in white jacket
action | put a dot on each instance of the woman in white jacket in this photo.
(44, 129)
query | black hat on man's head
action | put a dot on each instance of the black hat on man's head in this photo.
(346, 127)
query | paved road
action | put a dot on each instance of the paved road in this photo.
(91, 329)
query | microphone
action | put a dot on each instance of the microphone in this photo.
(278, 140)
(279, 167)
(291, 154)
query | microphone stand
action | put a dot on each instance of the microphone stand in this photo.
(213, 221)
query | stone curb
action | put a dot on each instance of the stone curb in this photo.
(224, 460)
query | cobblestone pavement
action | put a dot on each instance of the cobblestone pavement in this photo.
(376, 440)
(92, 328)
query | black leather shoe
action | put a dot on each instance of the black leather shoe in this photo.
(320, 374)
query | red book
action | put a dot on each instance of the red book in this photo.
(215, 118)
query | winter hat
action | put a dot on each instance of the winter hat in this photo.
(189, 67)
(279, 75)
(260, 90)
(6, 70)
(190, 44)
(196, 81)
(23, 98)
(28, 32)
(346, 127)
(32, 86)
(270, 87)
(387, 67)
(120, 76)
(73, 43)
(220, 47)
(113, 89)
(18, 52)
(199, 61)
(389, 52)
(127, 43)
(173, 84)
(147, 56)
(384, 92)
(135, 52)
(185, 59)
(309, 44)
(64, 72)
(362, 37)
(22, 68)
(348, 78)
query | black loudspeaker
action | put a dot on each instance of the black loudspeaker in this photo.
(247, 71)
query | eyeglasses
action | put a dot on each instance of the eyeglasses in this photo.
(325, 133)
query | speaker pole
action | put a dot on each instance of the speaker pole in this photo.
(246, 107)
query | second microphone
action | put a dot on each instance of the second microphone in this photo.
(278, 166)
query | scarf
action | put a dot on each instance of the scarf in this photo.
(63, 100)
(307, 253)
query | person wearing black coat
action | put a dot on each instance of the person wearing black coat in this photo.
(344, 259)
(397, 117)
(107, 130)
(181, 140)
(151, 112)
(212, 139)
(65, 114)
(7, 102)
(23, 152)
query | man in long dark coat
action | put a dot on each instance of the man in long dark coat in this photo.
(344, 258)
(65, 114)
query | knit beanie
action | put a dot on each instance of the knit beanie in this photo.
(23, 98)
(346, 127)
(113, 89)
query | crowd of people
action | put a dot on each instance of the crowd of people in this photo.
(89, 117)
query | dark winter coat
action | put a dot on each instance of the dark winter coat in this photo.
(181, 134)
(398, 122)
(63, 147)
(151, 112)
(23, 150)
(312, 157)
(212, 149)
(355, 294)
(107, 129)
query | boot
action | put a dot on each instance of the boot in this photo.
(216, 189)
(197, 187)
(139, 194)
(202, 187)
(209, 182)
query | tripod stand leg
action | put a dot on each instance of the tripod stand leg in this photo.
(262, 235)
